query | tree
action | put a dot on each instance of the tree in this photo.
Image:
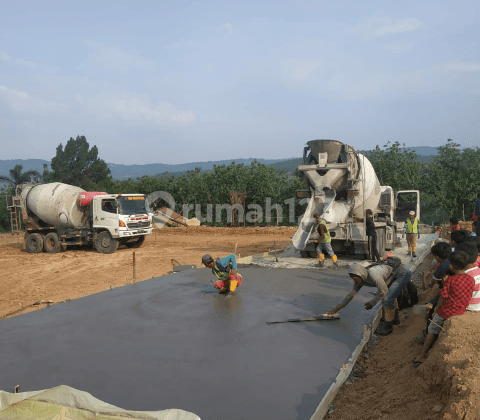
(17, 177)
(397, 167)
(452, 179)
(4, 213)
(78, 165)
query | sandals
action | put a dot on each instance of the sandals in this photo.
(420, 339)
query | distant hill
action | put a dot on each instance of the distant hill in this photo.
(28, 165)
(123, 172)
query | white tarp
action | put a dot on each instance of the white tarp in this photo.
(66, 403)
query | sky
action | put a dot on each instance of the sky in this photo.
(192, 81)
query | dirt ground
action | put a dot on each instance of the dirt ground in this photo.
(29, 278)
(386, 385)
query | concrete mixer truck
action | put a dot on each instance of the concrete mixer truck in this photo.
(57, 215)
(341, 184)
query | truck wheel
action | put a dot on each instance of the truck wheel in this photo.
(312, 254)
(34, 243)
(105, 244)
(304, 254)
(136, 243)
(51, 243)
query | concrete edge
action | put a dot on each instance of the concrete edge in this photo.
(347, 368)
(257, 257)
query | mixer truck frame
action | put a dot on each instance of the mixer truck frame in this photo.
(58, 215)
(341, 184)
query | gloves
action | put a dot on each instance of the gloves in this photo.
(368, 306)
(419, 236)
(403, 235)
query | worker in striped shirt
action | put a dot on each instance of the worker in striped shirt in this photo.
(474, 271)
(455, 296)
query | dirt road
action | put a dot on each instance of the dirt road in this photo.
(28, 278)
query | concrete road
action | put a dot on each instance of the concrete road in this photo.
(174, 342)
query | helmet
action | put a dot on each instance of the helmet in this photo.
(412, 212)
(207, 259)
(388, 255)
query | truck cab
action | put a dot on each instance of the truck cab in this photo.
(127, 218)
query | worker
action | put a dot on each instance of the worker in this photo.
(410, 229)
(324, 241)
(372, 235)
(225, 270)
(390, 277)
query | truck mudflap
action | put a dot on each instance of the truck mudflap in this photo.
(317, 204)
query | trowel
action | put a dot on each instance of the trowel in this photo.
(322, 317)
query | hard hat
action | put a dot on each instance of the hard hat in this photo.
(412, 212)
(388, 255)
(207, 259)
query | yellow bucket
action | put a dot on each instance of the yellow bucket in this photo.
(233, 285)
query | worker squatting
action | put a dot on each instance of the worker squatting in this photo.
(225, 270)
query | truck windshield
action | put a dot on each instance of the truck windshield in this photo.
(133, 205)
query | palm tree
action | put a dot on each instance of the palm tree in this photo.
(17, 177)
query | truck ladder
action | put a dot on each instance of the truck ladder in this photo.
(14, 208)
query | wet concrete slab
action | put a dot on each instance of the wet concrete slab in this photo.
(174, 342)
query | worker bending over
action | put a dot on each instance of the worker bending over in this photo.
(225, 270)
(324, 241)
(388, 280)
(410, 229)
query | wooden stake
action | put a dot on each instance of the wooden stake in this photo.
(134, 268)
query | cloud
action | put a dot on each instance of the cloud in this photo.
(138, 109)
(19, 100)
(4, 56)
(301, 71)
(462, 66)
(228, 27)
(398, 47)
(114, 58)
(380, 27)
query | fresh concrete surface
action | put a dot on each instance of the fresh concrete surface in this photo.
(291, 257)
(174, 342)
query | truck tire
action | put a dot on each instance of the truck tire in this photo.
(137, 243)
(51, 243)
(312, 254)
(34, 243)
(304, 254)
(105, 244)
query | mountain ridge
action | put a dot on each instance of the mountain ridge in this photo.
(123, 172)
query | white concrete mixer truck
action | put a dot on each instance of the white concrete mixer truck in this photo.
(341, 185)
(57, 215)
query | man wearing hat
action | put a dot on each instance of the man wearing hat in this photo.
(323, 241)
(225, 270)
(411, 230)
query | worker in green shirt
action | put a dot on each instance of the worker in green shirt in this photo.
(324, 241)
(410, 229)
